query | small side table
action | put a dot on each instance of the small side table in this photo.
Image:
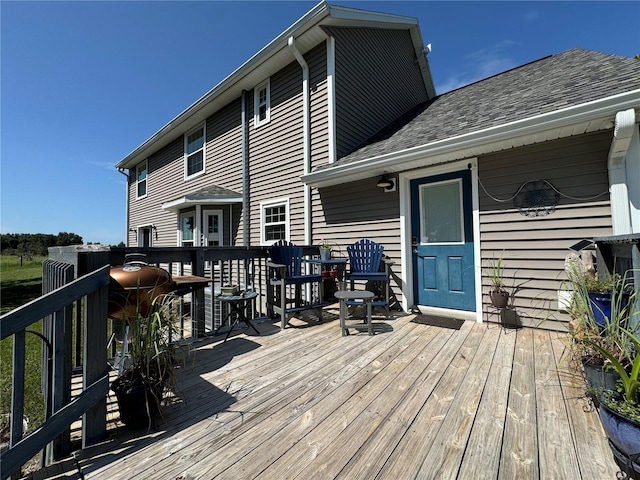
(358, 296)
(238, 307)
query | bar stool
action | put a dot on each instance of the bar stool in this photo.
(354, 297)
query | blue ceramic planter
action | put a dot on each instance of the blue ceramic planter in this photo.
(622, 432)
(601, 306)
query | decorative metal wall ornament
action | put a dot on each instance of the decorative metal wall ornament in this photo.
(536, 198)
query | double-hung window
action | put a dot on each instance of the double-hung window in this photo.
(274, 218)
(194, 152)
(262, 104)
(141, 179)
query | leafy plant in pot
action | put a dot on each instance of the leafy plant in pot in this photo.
(498, 294)
(150, 365)
(588, 331)
(620, 410)
(325, 250)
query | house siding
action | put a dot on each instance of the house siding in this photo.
(377, 81)
(535, 248)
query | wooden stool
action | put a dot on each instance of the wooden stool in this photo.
(354, 297)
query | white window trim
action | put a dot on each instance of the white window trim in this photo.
(204, 152)
(190, 213)
(256, 104)
(139, 230)
(146, 180)
(274, 203)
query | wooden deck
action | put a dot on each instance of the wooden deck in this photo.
(413, 401)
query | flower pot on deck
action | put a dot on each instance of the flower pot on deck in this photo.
(499, 298)
(624, 438)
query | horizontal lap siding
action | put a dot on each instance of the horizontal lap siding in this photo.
(276, 152)
(377, 81)
(534, 248)
(164, 177)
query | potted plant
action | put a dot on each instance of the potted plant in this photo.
(588, 329)
(619, 409)
(608, 296)
(498, 294)
(325, 250)
(150, 364)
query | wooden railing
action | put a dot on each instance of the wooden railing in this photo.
(244, 266)
(91, 402)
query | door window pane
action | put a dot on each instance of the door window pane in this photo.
(441, 213)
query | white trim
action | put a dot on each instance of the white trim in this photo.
(266, 85)
(202, 126)
(625, 128)
(186, 201)
(404, 183)
(331, 97)
(139, 229)
(190, 213)
(146, 179)
(489, 139)
(205, 225)
(274, 203)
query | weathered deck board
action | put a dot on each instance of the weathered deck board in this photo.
(413, 401)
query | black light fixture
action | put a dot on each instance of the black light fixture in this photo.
(385, 182)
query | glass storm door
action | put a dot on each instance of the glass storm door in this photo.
(212, 228)
(442, 241)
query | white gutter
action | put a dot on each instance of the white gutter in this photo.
(307, 137)
(618, 183)
(450, 149)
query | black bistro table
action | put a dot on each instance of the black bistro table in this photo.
(240, 307)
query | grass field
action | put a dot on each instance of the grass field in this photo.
(20, 284)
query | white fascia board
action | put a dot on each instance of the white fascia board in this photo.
(232, 86)
(185, 202)
(445, 150)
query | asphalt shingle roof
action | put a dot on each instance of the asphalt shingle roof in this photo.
(552, 83)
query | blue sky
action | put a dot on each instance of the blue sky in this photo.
(84, 83)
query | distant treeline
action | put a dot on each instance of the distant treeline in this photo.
(35, 244)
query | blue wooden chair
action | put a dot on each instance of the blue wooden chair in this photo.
(366, 264)
(285, 281)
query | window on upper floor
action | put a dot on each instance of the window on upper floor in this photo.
(262, 104)
(274, 221)
(141, 179)
(194, 152)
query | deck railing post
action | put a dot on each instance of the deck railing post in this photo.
(198, 306)
(94, 421)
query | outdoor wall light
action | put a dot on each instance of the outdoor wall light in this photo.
(385, 182)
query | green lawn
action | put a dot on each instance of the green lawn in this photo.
(20, 284)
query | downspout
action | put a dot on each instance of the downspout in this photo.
(618, 187)
(307, 137)
(126, 207)
(246, 225)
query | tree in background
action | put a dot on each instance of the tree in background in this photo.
(35, 244)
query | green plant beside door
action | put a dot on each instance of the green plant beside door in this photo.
(498, 294)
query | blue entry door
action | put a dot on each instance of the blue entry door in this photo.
(442, 241)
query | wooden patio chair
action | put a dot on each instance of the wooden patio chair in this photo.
(366, 264)
(285, 281)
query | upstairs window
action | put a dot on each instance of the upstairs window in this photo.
(194, 152)
(262, 104)
(141, 180)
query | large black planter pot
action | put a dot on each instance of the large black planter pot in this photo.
(499, 299)
(137, 404)
(624, 438)
(598, 378)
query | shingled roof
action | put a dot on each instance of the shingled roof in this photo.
(552, 83)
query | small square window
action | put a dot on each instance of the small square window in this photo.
(141, 180)
(262, 104)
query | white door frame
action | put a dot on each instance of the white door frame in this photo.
(404, 180)
(205, 225)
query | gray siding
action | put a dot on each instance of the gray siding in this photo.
(377, 81)
(535, 248)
